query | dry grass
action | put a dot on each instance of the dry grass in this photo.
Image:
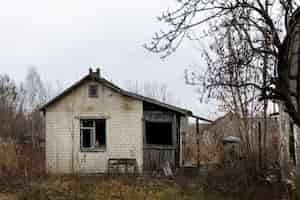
(8, 196)
(103, 187)
(90, 188)
(106, 188)
(9, 157)
(23, 178)
(18, 160)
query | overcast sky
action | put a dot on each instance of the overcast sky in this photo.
(63, 38)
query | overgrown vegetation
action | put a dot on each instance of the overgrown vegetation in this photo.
(23, 176)
(246, 46)
(215, 186)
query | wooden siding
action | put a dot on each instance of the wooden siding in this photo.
(155, 156)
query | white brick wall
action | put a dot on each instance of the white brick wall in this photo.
(124, 137)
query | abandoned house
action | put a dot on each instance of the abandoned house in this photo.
(95, 125)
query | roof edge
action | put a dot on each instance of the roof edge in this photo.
(121, 91)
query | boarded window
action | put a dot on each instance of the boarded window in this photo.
(159, 133)
(92, 133)
(93, 90)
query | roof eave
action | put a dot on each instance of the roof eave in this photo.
(121, 91)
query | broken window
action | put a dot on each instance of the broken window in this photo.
(159, 133)
(92, 133)
(93, 90)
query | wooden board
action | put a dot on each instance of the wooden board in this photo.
(155, 158)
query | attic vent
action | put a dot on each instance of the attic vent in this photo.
(93, 91)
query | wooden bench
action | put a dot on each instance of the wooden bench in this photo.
(122, 165)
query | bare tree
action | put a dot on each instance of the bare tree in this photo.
(229, 78)
(231, 75)
(151, 89)
(35, 91)
(8, 94)
(262, 24)
(8, 106)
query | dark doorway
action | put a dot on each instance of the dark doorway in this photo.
(160, 144)
(159, 133)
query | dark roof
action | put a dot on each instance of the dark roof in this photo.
(93, 76)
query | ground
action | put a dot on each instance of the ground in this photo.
(23, 177)
(104, 187)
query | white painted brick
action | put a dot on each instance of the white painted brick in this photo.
(124, 131)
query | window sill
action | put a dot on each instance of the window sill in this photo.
(100, 149)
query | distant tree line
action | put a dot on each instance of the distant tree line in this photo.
(20, 118)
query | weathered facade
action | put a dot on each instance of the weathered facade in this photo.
(95, 121)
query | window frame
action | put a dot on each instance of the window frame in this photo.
(93, 132)
(94, 86)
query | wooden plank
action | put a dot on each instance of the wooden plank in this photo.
(178, 141)
(158, 116)
(155, 158)
(198, 142)
(119, 165)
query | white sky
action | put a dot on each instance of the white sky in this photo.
(63, 38)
